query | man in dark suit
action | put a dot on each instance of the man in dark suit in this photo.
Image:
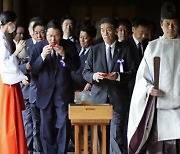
(68, 24)
(86, 37)
(109, 71)
(53, 60)
(137, 43)
(140, 32)
(31, 115)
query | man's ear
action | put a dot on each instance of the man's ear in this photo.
(116, 31)
(133, 28)
(161, 23)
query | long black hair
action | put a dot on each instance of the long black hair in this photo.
(7, 16)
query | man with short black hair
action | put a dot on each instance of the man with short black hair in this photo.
(52, 60)
(109, 67)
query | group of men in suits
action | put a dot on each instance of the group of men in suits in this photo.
(107, 68)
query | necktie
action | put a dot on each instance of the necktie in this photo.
(109, 59)
(83, 52)
(71, 39)
(82, 55)
(140, 50)
(54, 57)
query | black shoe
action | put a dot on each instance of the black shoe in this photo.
(71, 147)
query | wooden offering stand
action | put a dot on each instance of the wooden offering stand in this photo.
(89, 115)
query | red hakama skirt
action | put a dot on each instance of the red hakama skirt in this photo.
(12, 136)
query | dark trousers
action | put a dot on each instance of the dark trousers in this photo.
(117, 145)
(31, 119)
(28, 125)
(100, 139)
(35, 113)
(55, 127)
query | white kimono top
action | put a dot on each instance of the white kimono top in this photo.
(168, 107)
(9, 69)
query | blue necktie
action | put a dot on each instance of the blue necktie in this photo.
(82, 55)
(109, 59)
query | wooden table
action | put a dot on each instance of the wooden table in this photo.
(93, 115)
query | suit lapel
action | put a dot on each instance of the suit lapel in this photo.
(115, 55)
(135, 49)
(50, 61)
(103, 56)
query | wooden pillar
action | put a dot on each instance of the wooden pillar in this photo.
(1, 5)
(12, 5)
(7, 5)
(17, 7)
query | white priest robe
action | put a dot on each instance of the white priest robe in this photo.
(168, 107)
